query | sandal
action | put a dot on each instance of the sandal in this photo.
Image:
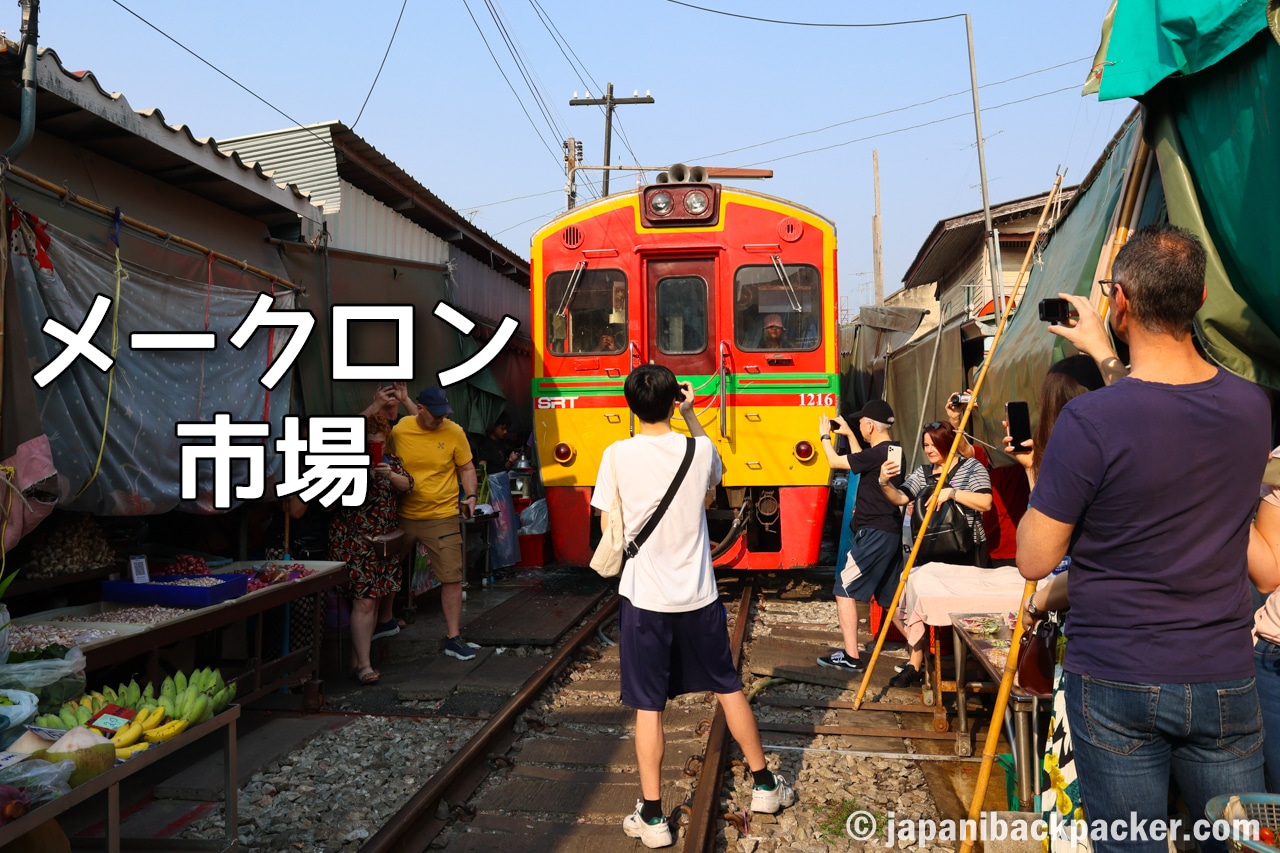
(367, 675)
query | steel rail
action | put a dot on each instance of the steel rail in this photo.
(702, 817)
(412, 827)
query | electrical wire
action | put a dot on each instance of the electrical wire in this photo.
(563, 43)
(525, 222)
(911, 127)
(224, 74)
(501, 71)
(813, 24)
(887, 112)
(506, 200)
(381, 64)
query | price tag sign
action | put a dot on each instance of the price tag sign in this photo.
(49, 734)
(8, 758)
(138, 569)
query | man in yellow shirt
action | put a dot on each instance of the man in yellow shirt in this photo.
(435, 451)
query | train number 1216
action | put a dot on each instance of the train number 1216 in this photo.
(817, 399)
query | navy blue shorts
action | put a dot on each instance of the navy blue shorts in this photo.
(664, 655)
(878, 553)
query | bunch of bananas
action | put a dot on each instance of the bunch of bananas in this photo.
(184, 700)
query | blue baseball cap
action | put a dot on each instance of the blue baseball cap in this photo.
(435, 402)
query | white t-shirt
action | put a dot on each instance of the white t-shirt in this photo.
(672, 572)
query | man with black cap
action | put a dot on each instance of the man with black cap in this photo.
(435, 451)
(875, 552)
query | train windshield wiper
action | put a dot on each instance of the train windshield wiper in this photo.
(574, 278)
(786, 279)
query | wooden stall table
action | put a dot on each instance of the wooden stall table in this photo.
(110, 783)
(290, 668)
(1023, 706)
(934, 591)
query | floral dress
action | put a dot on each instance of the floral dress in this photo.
(370, 576)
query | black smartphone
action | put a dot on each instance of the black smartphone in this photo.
(1018, 414)
(1055, 310)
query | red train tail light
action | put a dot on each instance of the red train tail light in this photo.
(804, 451)
(563, 453)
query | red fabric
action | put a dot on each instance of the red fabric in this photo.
(1010, 494)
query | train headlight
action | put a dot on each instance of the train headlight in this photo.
(563, 453)
(696, 202)
(804, 451)
(660, 204)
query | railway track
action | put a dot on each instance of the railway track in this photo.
(555, 768)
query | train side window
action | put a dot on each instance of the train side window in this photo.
(682, 315)
(586, 315)
(772, 312)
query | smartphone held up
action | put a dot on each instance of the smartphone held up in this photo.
(1018, 415)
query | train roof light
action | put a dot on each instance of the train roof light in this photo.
(668, 205)
(660, 204)
(695, 201)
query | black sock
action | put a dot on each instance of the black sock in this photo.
(651, 810)
(763, 776)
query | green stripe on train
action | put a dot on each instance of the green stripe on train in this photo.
(748, 383)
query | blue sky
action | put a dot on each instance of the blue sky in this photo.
(443, 111)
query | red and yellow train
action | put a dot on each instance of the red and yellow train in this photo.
(735, 291)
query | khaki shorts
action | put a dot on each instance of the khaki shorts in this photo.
(442, 537)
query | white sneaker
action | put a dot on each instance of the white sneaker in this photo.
(650, 834)
(772, 800)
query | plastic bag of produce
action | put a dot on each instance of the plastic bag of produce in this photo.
(21, 707)
(533, 520)
(44, 780)
(54, 680)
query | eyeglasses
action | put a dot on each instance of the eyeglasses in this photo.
(1108, 285)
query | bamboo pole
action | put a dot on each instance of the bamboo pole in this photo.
(66, 194)
(955, 445)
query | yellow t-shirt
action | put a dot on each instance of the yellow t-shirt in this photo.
(433, 458)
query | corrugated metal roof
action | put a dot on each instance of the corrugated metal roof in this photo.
(296, 155)
(71, 105)
(952, 239)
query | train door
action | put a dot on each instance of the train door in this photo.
(681, 315)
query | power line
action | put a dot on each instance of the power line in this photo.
(525, 74)
(912, 127)
(809, 23)
(380, 64)
(519, 100)
(887, 112)
(558, 38)
(506, 200)
(530, 219)
(258, 97)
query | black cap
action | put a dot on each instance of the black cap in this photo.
(877, 410)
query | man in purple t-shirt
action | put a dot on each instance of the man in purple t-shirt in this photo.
(1151, 484)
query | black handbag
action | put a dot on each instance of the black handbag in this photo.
(949, 538)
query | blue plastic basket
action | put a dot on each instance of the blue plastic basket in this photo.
(229, 586)
(1264, 808)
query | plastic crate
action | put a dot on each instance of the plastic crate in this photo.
(157, 592)
(1264, 808)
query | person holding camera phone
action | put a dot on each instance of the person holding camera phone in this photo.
(672, 635)
(1151, 485)
(1008, 490)
(874, 563)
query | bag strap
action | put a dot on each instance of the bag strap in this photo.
(633, 547)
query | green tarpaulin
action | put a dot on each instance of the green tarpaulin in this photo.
(1216, 139)
(1067, 265)
(1152, 39)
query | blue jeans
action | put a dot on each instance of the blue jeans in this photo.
(1129, 737)
(1266, 660)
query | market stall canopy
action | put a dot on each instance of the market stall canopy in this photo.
(1145, 41)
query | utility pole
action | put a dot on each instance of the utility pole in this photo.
(572, 157)
(609, 102)
(876, 256)
(993, 250)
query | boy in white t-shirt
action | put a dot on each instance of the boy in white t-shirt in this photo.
(672, 632)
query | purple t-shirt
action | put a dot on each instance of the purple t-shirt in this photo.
(1161, 482)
